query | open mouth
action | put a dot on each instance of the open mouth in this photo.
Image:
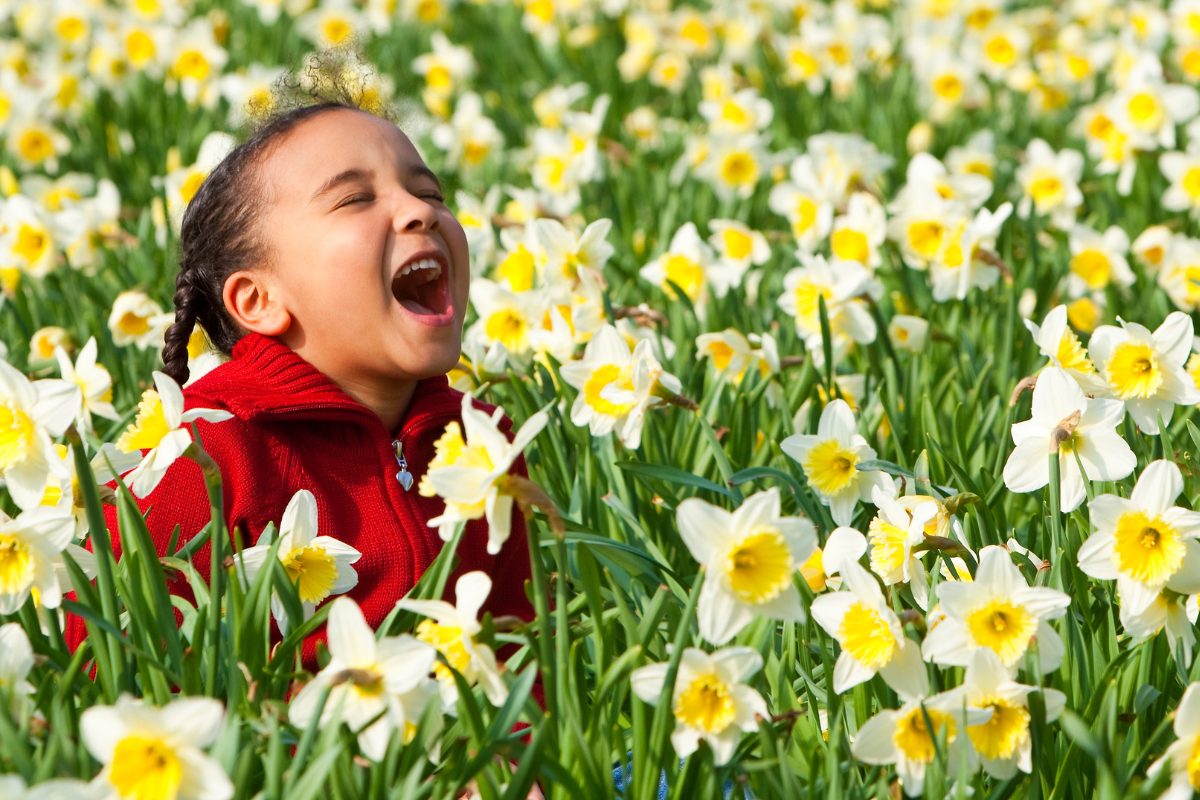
(422, 287)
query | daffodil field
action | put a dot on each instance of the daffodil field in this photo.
(850, 346)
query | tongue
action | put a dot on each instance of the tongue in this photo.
(426, 298)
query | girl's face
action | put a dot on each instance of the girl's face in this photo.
(366, 257)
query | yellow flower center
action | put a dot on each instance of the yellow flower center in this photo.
(721, 354)
(192, 64)
(1000, 51)
(925, 237)
(830, 467)
(1145, 111)
(191, 184)
(509, 327)
(850, 245)
(336, 29)
(1002, 735)
(1193, 766)
(132, 324)
(149, 428)
(808, 305)
(313, 570)
(706, 705)
(735, 115)
(16, 436)
(805, 216)
(684, 273)
(1083, 314)
(1071, 354)
(447, 640)
(914, 738)
(948, 87)
(602, 377)
(739, 168)
(145, 768)
(1133, 371)
(1191, 183)
(887, 547)
(1002, 627)
(517, 269)
(16, 565)
(1046, 189)
(1093, 267)
(867, 637)
(813, 570)
(35, 146)
(139, 48)
(738, 244)
(1148, 549)
(759, 567)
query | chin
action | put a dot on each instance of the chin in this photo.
(438, 362)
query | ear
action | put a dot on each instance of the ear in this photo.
(254, 302)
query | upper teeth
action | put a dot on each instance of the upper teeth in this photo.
(424, 263)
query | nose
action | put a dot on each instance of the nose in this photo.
(413, 214)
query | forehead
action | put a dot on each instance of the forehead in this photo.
(330, 143)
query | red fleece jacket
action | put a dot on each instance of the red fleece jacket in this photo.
(293, 429)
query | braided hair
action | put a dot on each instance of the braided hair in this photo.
(218, 238)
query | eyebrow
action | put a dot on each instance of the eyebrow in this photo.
(345, 176)
(351, 175)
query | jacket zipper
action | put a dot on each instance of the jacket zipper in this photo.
(404, 476)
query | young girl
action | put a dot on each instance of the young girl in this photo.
(321, 255)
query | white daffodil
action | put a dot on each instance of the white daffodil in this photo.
(320, 566)
(841, 285)
(468, 473)
(963, 262)
(93, 380)
(830, 460)
(31, 547)
(1170, 611)
(1145, 542)
(565, 251)
(908, 736)
(1067, 422)
(1146, 370)
(1003, 742)
(16, 662)
(159, 429)
(452, 630)
(710, 699)
(62, 489)
(998, 610)
(366, 679)
(157, 752)
(731, 353)
(137, 319)
(1050, 182)
(1057, 342)
(892, 535)
(686, 264)
(1183, 756)
(12, 787)
(616, 386)
(869, 633)
(750, 557)
(30, 414)
(1098, 259)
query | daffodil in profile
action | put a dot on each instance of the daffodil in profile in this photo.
(999, 611)
(158, 753)
(160, 430)
(468, 471)
(710, 700)
(367, 680)
(320, 566)
(1145, 542)
(750, 557)
(1183, 756)
(31, 548)
(830, 460)
(452, 629)
(868, 631)
(1057, 342)
(31, 413)
(1146, 370)
(1079, 429)
(16, 662)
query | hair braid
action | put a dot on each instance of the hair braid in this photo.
(175, 348)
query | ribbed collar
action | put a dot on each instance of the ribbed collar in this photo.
(266, 378)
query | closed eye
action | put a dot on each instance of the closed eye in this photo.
(360, 197)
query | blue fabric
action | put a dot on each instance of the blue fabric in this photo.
(623, 776)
